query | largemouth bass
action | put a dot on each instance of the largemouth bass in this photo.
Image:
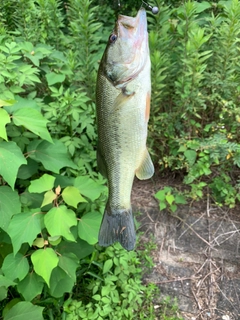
(123, 104)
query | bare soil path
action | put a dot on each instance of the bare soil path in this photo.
(198, 254)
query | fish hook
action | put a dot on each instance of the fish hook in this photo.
(154, 9)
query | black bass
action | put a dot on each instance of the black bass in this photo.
(123, 104)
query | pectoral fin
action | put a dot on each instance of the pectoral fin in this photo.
(146, 170)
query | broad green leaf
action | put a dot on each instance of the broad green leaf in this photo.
(3, 293)
(4, 119)
(162, 205)
(160, 195)
(6, 102)
(191, 156)
(88, 187)
(24, 227)
(31, 200)
(69, 263)
(88, 227)
(28, 170)
(49, 197)
(30, 286)
(24, 310)
(107, 265)
(72, 196)
(32, 120)
(45, 183)
(11, 158)
(202, 6)
(22, 103)
(53, 156)
(60, 283)
(53, 78)
(9, 205)
(54, 241)
(81, 248)
(15, 267)
(170, 198)
(44, 261)
(59, 220)
(180, 199)
(5, 282)
(39, 242)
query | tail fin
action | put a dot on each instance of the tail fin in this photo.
(117, 225)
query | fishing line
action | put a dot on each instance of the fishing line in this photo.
(153, 9)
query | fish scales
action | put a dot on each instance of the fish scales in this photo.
(123, 101)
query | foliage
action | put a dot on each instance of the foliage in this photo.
(195, 121)
(116, 292)
(169, 198)
(51, 199)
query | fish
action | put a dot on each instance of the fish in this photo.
(123, 93)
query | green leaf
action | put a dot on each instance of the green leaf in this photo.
(11, 159)
(32, 120)
(54, 241)
(39, 242)
(4, 119)
(9, 205)
(28, 170)
(180, 199)
(191, 156)
(15, 267)
(81, 248)
(53, 78)
(88, 187)
(49, 197)
(24, 310)
(160, 195)
(72, 196)
(22, 103)
(60, 283)
(69, 263)
(202, 6)
(88, 227)
(59, 220)
(107, 265)
(30, 286)
(45, 183)
(170, 198)
(53, 156)
(5, 282)
(3, 293)
(162, 205)
(6, 102)
(24, 227)
(44, 261)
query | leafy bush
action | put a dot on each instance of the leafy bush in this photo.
(51, 199)
(195, 98)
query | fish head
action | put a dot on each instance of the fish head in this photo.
(127, 50)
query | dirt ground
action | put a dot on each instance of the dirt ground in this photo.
(198, 250)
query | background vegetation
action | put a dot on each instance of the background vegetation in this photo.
(51, 196)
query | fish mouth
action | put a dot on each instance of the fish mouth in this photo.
(126, 56)
(133, 22)
(135, 29)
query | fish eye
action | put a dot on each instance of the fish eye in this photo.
(113, 38)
